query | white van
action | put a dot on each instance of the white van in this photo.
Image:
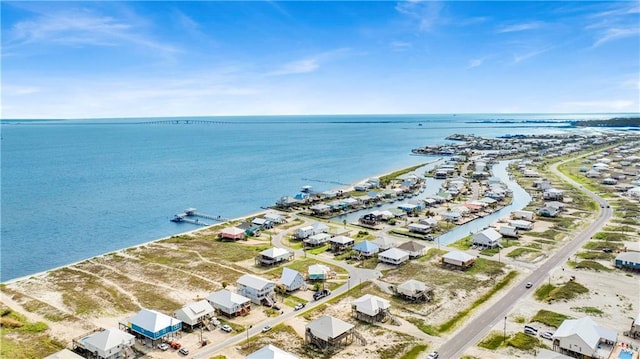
(530, 330)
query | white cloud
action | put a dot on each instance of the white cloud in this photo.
(476, 62)
(520, 27)
(428, 14)
(80, 27)
(616, 33)
(526, 56)
(309, 64)
(400, 45)
(17, 90)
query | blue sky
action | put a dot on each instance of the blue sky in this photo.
(134, 59)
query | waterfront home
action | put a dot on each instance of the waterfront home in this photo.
(509, 231)
(459, 259)
(371, 308)
(195, 313)
(384, 243)
(338, 231)
(270, 351)
(488, 238)
(366, 248)
(521, 224)
(548, 212)
(274, 256)
(341, 243)
(584, 337)
(291, 279)
(304, 232)
(414, 249)
(152, 324)
(320, 209)
(409, 208)
(628, 260)
(393, 256)
(230, 304)
(318, 272)
(232, 233)
(258, 289)
(419, 228)
(328, 333)
(557, 205)
(275, 217)
(609, 181)
(107, 344)
(371, 219)
(526, 215)
(429, 221)
(316, 240)
(414, 290)
(263, 223)
(450, 216)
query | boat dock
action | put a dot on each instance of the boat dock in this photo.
(191, 215)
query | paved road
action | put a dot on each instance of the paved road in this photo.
(478, 328)
(356, 276)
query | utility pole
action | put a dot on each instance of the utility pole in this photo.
(504, 336)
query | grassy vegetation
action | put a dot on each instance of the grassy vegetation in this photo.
(523, 341)
(588, 310)
(320, 249)
(392, 350)
(423, 326)
(591, 255)
(600, 245)
(520, 251)
(450, 324)
(462, 244)
(569, 290)
(592, 265)
(384, 180)
(549, 318)
(492, 341)
(415, 351)
(549, 234)
(611, 236)
(22, 339)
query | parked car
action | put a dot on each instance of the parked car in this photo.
(607, 250)
(163, 346)
(184, 351)
(321, 294)
(266, 328)
(528, 285)
(226, 328)
(276, 307)
(546, 335)
(433, 355)
(299, 306)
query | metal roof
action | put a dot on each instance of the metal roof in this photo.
(327, 327)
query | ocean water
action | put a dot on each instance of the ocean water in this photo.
(75, 189)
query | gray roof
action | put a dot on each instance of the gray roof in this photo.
(458, 256)
(412, 286)
(271, 352)
(108, 339)
(394, 253)
(289, 275)
(629, 257)
(227, 299)
(587, 329)
(318, 269)
(412, 246)
(275, 252)
(152, 320)
(195, 310)
(253, 281)
(548, 354)
(371, 304)
(327, 327)
(341, 240)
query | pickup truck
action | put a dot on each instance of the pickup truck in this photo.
(321, 294)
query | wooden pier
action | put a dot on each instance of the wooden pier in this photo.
(189, 214)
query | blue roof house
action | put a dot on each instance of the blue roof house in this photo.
(153, 325)
(366, 248)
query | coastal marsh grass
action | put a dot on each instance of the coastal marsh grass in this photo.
(549, 234)
(521, 251)
(22, 339)
(567, 291)
(320, 249)
(463, 243)
(431, 253)
(549, 318)
(611, 236)
(493, 340)
(600, 245)
(415, 351)
(593, 255)
(386, 179)
(588, 310)
(523, 341)
(48, 311)
(593, 265)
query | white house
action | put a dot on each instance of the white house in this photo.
(526, 215)
(317, 239)
(229, 303)
(459, 259)
(273, 256)
(271, 352)
(304, 232)
(195, 313)
(414, 290)
(384, 243)
(419, 228)
(521, 224)
(393, 256)
(258, 289)
(582, 337)
(291, 279)
(64, 354)
(508, 231)
(275, 217)
(318, 272)
(371, 308)
(109, 344)
(487, 238)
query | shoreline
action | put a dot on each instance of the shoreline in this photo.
(253, 214)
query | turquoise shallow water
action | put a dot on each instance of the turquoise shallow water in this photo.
(75, 189)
